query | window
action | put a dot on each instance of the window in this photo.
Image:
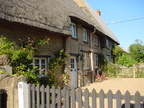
(41, 64)
(86, 62)
(96, 41)
(107, 43)
(96, 61)
(108, 57)
(72, 63)
(73, 28)
(85, 36)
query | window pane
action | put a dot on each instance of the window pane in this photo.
(72, 63)
(36, 61)
(43, 60)
(73, 28)
(41, 64)
(96, 61)
(86, 62)
(84, 35)
(96, 40)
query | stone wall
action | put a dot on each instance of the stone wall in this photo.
(10, 85)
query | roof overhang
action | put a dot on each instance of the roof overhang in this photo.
(84, 23)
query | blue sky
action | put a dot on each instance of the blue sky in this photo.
(128, 16)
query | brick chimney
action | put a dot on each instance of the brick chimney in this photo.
(98, 12)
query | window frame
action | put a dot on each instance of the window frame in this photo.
(107, 43)
(85, 35)
(40, 64)
(96, 63)
(86, 61)
(96, 41)
(108, 57)
(74, 30)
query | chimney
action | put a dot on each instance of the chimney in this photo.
(98, 12)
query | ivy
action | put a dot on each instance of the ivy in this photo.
(21, 60)
(57, 61)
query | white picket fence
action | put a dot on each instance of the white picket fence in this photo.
(31, 96)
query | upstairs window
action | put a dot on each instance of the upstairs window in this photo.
(107, 43)
(85, 35)
(96, 41)
(73, 28)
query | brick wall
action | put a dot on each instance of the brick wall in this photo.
(76, 46)
(14, 32)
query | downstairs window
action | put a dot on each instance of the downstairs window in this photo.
(41, 64)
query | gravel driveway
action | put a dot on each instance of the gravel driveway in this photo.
(123, 84)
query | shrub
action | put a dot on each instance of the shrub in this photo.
(100, 78)
(126, 60)
(110, 69)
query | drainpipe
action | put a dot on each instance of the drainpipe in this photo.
(91, 54)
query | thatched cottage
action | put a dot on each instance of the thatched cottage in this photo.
(70, 24)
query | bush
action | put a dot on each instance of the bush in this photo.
(21, 57)
(126, 60)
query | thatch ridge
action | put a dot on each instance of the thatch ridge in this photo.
(99, 23)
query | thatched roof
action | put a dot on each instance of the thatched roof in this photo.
(53, 15)
(99, 23)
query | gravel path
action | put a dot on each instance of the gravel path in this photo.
(123, 84)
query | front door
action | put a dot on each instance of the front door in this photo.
(74, 76)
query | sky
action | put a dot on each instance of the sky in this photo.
(125, 18)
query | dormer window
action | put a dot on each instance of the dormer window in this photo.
(85, 35)
(73, 28)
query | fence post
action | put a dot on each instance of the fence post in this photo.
(118, 99)
(127, 99)
(101, 98)
(86, 98)
(23, 95)
(94, 102)
(110, 99)
(134, 70)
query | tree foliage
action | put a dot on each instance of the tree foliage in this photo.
(137, 51)
(126, 60)
(117, 52)
(135, 55)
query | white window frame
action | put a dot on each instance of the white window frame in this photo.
(74, 31)
(96, 61)
(85, 35)
(40, 69)
(86, 61)
(96, 41)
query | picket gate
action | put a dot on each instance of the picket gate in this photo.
(31, 96)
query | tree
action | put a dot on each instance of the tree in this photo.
(117, 52)
(126, 60)
(137, 51)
